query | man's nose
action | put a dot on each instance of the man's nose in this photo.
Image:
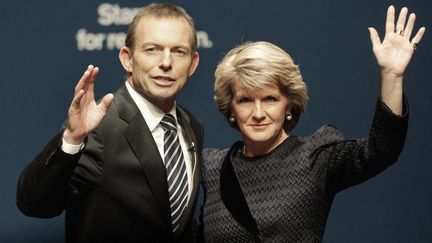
(166, 60)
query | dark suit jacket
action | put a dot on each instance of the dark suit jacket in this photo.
(115, 190)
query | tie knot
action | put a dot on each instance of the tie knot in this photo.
(168, 122)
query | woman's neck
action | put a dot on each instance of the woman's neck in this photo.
(254, 148)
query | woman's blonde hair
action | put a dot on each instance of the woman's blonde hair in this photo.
(255, 65)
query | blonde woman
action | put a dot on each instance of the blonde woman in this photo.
(274, 186)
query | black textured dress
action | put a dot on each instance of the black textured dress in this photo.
(290, 190)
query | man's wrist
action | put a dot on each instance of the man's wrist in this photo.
(71, 148)
(70, 139)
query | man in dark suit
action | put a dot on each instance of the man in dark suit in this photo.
(108, 168)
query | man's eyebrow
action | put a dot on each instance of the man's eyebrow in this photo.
(152, 43)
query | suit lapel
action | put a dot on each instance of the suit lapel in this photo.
(191, 139)
(144, 147)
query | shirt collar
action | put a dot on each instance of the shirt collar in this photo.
(151, 113)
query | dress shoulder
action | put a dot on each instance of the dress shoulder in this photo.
(213, 157)
(326, 135)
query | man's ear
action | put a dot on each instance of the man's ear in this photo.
(194, 64)
(125, 56)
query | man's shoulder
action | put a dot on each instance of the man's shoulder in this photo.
(189, 116)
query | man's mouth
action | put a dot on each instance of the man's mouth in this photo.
(163, 80)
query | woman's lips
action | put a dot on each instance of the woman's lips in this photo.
(259, 126)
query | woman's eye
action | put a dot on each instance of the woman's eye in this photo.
(270, 99)
(244, 100)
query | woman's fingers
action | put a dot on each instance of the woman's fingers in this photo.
(400, 24)
(390, 20)
(409, 26)
(417, 38)
(374, 37)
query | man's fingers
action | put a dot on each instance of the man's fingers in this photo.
(92, 78)
(83, 82)
(77, 99)
(106, 102)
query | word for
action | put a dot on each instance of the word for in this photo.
(87, 41)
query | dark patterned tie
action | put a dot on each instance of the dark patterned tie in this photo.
(176, 170)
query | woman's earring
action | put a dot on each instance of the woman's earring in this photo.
(232, 119)
(288, 116)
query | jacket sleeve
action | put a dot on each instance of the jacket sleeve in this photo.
(351, 162)
(43, 185)
(54, 178)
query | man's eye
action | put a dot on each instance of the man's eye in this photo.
(151, 49)
(180, 52)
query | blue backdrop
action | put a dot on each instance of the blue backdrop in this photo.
(46, 45)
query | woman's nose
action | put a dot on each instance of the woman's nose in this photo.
(258, 112)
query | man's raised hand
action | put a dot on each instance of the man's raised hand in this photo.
(84, 113)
